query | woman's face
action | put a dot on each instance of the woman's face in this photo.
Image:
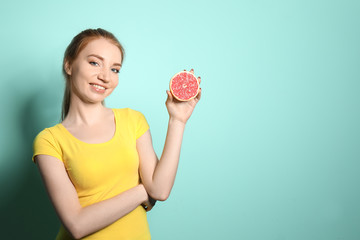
(94, 73)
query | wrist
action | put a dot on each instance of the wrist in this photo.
(178, 122)
(142, 192)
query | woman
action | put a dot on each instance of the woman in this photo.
(98, 165)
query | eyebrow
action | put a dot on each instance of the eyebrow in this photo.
(102, 59)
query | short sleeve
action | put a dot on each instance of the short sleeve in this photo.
(141, 124)
(44, 143)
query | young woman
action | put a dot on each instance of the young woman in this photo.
(98, 165)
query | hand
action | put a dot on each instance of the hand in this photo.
(179, 110)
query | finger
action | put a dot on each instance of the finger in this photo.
(199, 79)
(192, 71)
(199, 95)
(170, 96)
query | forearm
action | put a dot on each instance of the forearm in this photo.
(99, 215)
(159, 176)
(166, 168)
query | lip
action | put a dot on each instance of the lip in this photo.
(99, 85)
(97, 90)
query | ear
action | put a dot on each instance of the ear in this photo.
(67, 67)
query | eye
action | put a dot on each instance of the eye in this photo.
(115, 70)
(94, 63)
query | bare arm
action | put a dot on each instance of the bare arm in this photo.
(81, 221)
(158, 176)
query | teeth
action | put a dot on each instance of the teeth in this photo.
(98, 87)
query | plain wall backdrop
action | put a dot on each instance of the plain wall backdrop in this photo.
(272, 151)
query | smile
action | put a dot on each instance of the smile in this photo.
(97, 86)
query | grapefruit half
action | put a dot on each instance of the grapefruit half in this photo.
(184, 86)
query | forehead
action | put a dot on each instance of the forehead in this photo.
(103, 48)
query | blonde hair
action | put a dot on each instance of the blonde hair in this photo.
(77, 44)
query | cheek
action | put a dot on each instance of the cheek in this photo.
(115, 82)
(80, 75)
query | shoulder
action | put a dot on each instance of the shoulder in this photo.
(47, 142)
(48, 133)
(50, 136)
(128, 112)
(133, 119)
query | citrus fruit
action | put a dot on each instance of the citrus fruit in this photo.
(184, 86)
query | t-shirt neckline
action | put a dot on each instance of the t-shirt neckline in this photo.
(92, 144)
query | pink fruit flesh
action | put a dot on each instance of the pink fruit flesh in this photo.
(184, 86)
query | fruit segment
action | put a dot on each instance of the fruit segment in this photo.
(184, 86)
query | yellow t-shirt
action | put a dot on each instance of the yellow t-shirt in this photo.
(101, 171)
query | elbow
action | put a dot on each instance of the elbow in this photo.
(75, 231)
(161, 196)
(76, 234)
(158, 193)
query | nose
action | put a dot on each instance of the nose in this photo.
(104, 75)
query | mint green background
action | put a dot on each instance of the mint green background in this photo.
(271, 152)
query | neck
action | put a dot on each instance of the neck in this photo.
(81, 113)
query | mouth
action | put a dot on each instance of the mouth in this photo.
(97, 86)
